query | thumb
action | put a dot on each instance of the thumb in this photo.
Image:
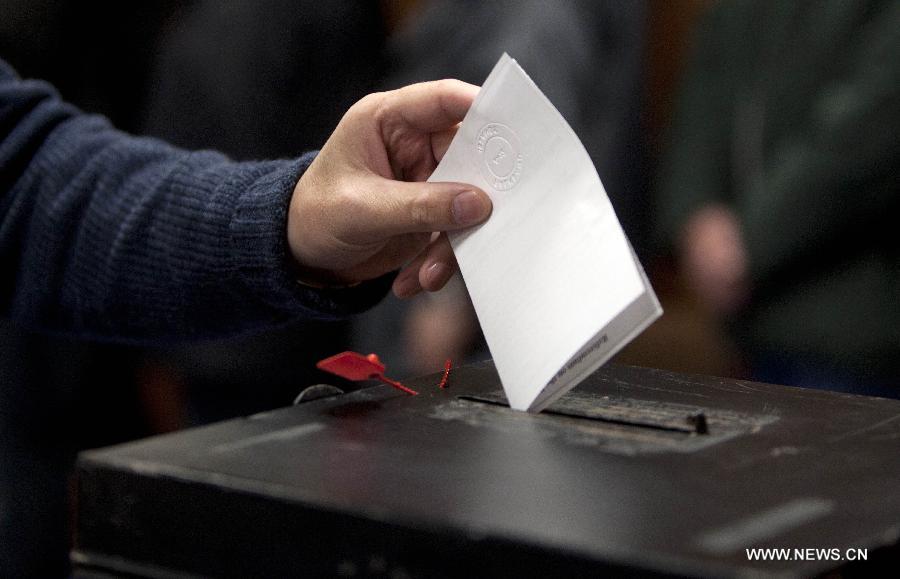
(399, 207)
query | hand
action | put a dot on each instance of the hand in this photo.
(360, 210)
(714, 259)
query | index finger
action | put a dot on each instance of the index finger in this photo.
(428, 106)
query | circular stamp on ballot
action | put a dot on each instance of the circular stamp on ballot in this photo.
(500, 156)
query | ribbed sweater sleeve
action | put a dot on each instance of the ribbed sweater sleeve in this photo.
(110, 236)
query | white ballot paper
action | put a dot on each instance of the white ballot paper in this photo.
(554, 281)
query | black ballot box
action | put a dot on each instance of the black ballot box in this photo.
(635, 472)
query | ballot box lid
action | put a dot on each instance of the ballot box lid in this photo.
(636, 471)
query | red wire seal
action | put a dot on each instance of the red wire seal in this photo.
(355, 366)
(443, 383)
(397, 385)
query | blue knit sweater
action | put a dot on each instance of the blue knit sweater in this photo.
(110, 236)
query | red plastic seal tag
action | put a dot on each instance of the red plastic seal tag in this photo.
(353, 366)
(356, 367)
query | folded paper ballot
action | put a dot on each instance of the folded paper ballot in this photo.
(554, 281)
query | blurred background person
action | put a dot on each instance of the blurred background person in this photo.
(780, 187)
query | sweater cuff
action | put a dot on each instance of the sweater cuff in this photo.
(262, 257)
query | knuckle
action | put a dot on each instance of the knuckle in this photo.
(370, 100)
(346, 208)
(349, 202)
(446, 84)
(365, 108)
(372, 104)
(422, 211)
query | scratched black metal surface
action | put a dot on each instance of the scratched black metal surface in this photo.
(616, 479)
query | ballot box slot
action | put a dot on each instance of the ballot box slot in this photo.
(615, 412)
(608, 422)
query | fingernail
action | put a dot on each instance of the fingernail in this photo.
(468, 208)
(406, 287)
(437, 274)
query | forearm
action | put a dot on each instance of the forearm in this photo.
(117, 237)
